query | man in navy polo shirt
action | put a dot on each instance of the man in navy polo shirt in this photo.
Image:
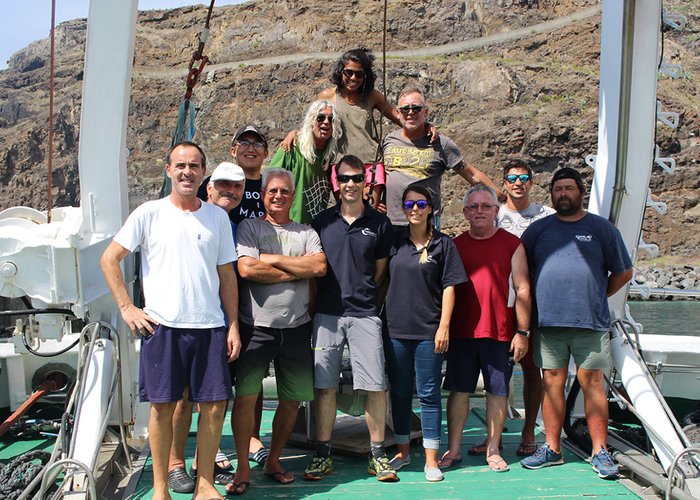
(357, 241)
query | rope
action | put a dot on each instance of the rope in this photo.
(16, 476)
(185, 127)
(50, 134)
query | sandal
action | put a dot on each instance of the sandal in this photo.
(526, 449)
(221, 476)
(481, 448)
(222, 461)
(237, 487)
(497, 464)
(260, 456)
(282, 477)
(179, 481)
(446, 462)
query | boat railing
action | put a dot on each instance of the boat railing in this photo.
(674, 466)
(52, 469)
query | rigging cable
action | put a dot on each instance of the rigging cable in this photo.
(50, 134)
(185, 129)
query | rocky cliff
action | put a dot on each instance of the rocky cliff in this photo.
(534, 97)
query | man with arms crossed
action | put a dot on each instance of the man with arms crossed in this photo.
(187, 251)
(485, 326)
(357, 240)
(277, 258)
(577, 260)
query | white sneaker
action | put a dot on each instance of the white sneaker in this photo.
(433, 474)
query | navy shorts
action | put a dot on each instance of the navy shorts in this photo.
(175, 358)
(467, 357)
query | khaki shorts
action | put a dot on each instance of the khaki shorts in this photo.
(554, 345)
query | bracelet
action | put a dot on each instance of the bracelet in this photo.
(523, 332)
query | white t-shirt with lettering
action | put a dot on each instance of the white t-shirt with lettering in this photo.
(516, 222)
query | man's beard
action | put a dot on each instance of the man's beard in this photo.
(565, 206)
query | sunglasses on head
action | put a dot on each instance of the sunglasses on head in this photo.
(344, 178)
(320, 118)
(407, 109)
(421, 204)
(514, 177)
(349, 73)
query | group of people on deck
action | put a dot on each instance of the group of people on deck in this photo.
(337, 244)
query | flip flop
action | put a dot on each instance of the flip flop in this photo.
(237, 487)
(446, 462)
(260, 456)
(481, 448)
(221, 476)
(495, 461)
(526, 449)
(280, 476)
(221, 460)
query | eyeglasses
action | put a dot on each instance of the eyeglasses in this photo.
(476, 206)
(320, 118)
(257, 146)
(409, 204)
(344, 178)
(407, 109)
(281, 191)
(349, 73)
(514, 177)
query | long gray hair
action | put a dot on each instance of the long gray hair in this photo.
(305, 139)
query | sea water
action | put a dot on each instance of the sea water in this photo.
(667, 317)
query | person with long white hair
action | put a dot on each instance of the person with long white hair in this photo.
(309, 160)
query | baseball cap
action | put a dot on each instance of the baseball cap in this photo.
(245, 129)
(227, 171)
(567, 173)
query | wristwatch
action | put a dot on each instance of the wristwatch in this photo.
(523, 332)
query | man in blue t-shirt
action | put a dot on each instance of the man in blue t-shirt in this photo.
(577, 261)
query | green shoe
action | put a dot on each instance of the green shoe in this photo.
(381, 468)
(319, 468)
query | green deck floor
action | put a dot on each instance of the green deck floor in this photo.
(473, 479)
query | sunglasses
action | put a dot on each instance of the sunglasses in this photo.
(514, 177)
(407, 109)
(344, 178)
(349, 73)
(320, 118)
(421, 204)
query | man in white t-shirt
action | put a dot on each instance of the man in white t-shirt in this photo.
(515, 215)
(187, 250)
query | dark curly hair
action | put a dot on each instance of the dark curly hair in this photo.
(364, 58)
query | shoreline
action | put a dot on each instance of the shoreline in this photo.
(669, 282)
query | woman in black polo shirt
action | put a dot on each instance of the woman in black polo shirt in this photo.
(424, 267)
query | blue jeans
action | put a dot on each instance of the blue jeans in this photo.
(403, 356)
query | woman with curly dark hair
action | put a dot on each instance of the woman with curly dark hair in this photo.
(356, 99)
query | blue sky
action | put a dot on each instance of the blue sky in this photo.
(25, 21)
